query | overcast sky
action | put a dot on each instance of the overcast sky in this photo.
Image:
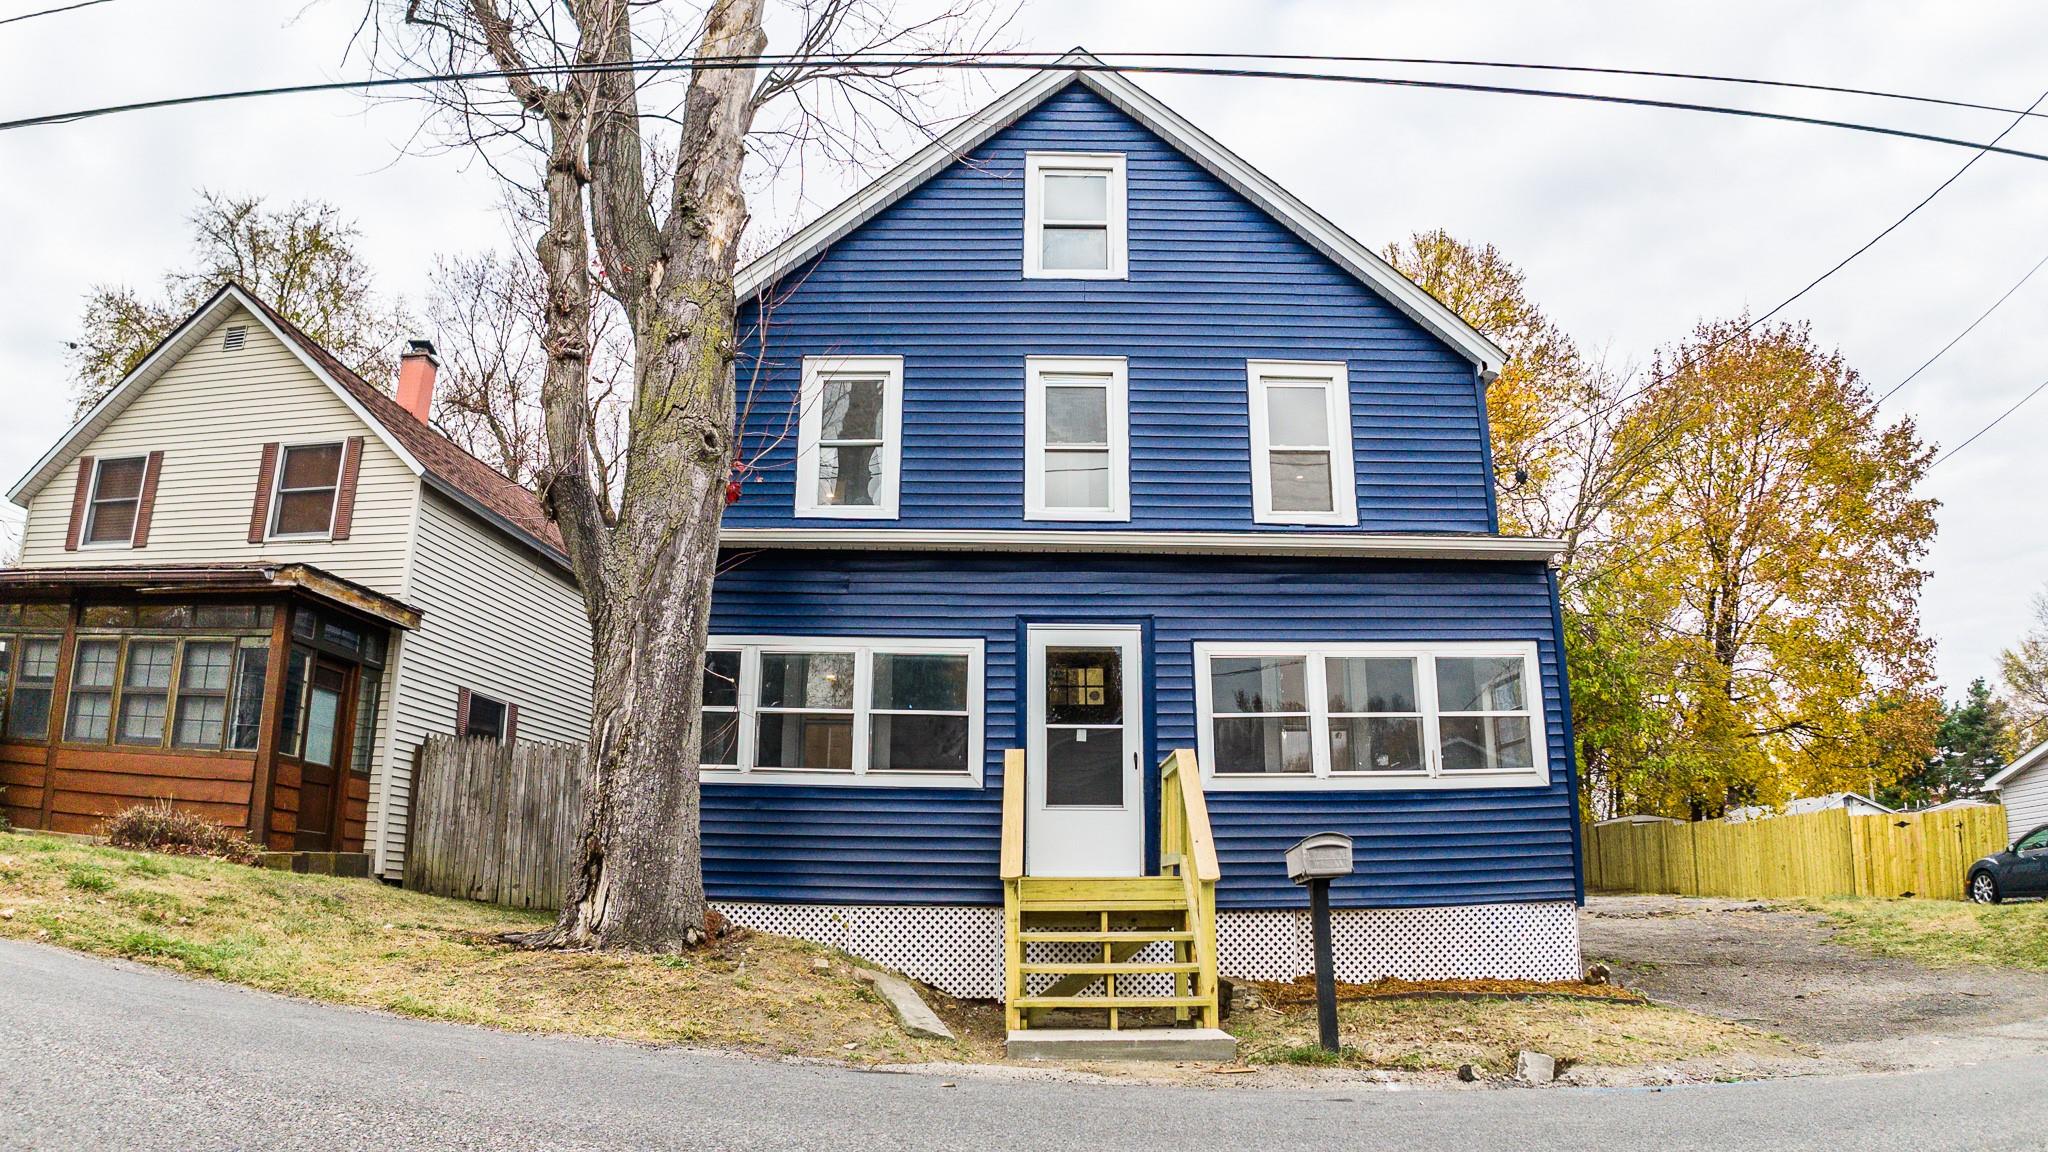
(1632, 224)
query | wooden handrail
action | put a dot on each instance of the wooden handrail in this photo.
(1186, 812)
(1013, 814)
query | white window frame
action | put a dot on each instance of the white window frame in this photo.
(1111, 164)
(809, 431)
(864, 649)
(1117, 389)
(1335, 376)
(92, 500)
(1433, 777)
(277, 491)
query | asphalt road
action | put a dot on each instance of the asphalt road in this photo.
(102, 1055)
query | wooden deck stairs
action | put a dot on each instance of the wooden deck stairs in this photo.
(1136, 954)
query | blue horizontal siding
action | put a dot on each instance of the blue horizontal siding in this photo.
(939, 846)
(1214, 282)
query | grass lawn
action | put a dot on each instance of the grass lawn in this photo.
(362, 943)
(1939, 933)
(1427, 1035)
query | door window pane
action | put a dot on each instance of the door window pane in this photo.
(1084, 767)
(1084, 686)
(323, 710)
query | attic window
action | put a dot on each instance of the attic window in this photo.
(1074, 216)
(235, 338)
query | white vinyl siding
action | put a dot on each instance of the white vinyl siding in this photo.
(499, 621)
(210, 415)
(2026, 801)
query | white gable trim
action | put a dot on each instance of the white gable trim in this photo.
(864, 205)
(2036, 755)
(196, 327)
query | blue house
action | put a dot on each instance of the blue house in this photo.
(1075, 442)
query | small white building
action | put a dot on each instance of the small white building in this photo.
(2023, 786)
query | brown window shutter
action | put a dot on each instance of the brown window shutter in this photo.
(462, 711)
(266, 473)
(78, 496)
(511, 723)
(345, 494)
(145, 507)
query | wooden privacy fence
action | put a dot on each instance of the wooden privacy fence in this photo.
(1829, 853)
(494, 822)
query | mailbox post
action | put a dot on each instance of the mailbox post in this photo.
(1314, 862)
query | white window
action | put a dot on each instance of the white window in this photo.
(837, 710)
(1465, 715)
(1077, 440)
(308, 480)
(850, 437)
(116, 500)
(1301, 443)
(1074, 216)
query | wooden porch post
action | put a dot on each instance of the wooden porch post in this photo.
(60, 694)
(267, 731)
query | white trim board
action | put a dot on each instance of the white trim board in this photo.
(2036, 755)
(1404, 294)
(1384, 546)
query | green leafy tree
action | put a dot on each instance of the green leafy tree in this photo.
(1973, 742)
(302, 259)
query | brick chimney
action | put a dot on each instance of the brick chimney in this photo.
(416, 369)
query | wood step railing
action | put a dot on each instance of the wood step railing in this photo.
(1123, 916)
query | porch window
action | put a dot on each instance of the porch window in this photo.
(1077, 439)
(1074, 216)
(790, 710)
(1301, 443)
(362, 749)
(1461, 715)
(308, 476)
(31, 672)
(92, 691)
(203, 694)
(850, 432)
(116, 497)
(149, 691)
(146, 691)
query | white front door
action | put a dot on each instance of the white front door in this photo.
(1084, 752)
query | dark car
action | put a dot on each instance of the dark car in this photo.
(2021, 870)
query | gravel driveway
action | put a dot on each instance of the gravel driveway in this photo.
(1779, 970)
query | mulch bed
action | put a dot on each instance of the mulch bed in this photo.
(1302, 990)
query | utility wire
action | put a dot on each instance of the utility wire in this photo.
(53, 11)
(2038, 388)
(901, 62)
(1981, 317)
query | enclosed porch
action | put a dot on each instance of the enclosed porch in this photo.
(247, 694)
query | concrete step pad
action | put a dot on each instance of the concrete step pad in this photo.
(1202, 1044)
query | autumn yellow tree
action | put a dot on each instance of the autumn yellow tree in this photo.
(1772, 550)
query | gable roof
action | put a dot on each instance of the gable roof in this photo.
(1404, 294)
(438, 461)
(2032, 757)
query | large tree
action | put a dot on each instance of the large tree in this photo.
(2024, 670)
(1973, 742)
(1777, 541)
(301, 258)
(647, 187)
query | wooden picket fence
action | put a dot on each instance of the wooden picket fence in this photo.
(494, 822)
(1831, 853)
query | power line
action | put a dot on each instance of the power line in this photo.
(895, 62)
(53, 11)
(2038, 388)
(1981, 317)
(1788, 301)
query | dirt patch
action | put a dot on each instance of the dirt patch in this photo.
(1783, 969)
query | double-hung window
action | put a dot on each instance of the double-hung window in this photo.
(1301, 443)
(850, 437)
(1074, 220)
(789, 710)
(1460, 715)
(116, 500)
(308, 477)
(1077, 439)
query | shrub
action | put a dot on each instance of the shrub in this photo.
(161, 828)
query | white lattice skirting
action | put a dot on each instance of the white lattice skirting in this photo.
(959, 950)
